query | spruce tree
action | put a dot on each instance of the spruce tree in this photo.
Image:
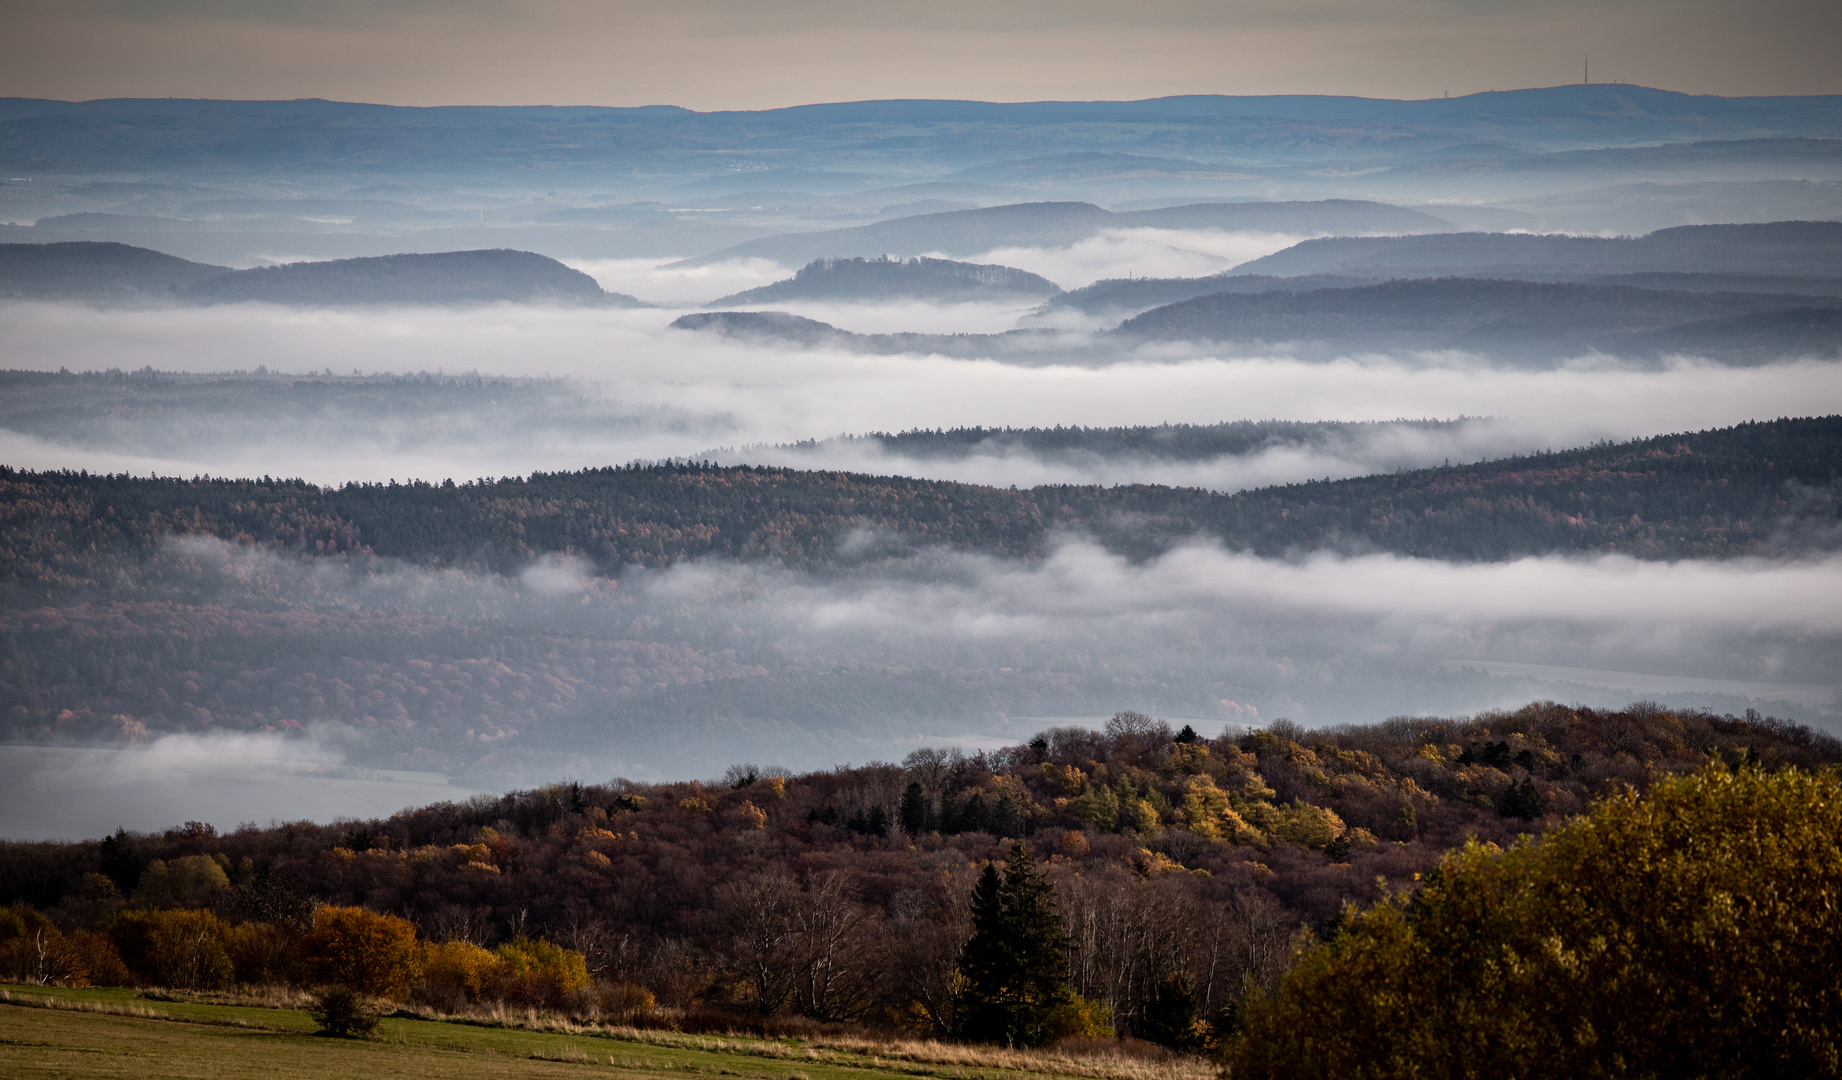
(1016, 963)
(915, 812)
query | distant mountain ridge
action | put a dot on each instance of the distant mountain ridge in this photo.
(1797, 248)
(237, 136)
(1718, 493)
(101, 271)
(1511, 322)
(1510, 318)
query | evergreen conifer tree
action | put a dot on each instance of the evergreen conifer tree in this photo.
(915, 813)
(1016, 963)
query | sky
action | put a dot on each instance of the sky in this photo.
(752, 54)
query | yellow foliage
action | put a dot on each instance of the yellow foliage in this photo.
(1075, 1017)
(1139, 814)
(752, 816)
(1062, 778)
(183, 882)
(1204, 807)
(1690, 931)
(371, 953)
(460, 967)
(1302, 824)
(1187, 758)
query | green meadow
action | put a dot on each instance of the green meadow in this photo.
(80, 1034)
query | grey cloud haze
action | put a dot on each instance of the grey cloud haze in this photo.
(633, 389)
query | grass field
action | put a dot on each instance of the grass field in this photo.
(54, 1033)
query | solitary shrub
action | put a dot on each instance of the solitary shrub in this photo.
(343, 1013)
(1692, 931)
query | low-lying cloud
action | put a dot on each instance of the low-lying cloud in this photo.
(634, 389)
(222, 779)
(560, 672)
(1157, 253)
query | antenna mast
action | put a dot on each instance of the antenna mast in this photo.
(1586, 71)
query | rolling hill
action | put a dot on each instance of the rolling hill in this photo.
(85, 270)
(1784, 248)
(938, 280)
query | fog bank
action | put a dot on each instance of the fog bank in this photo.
(635, 389)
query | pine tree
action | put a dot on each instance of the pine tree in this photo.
(1016, 963)
(914, 812)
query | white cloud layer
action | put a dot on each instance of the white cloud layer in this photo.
(1159, 253)
(647, 391)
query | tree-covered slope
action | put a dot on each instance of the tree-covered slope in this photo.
(86, 270)
(1802, 248)
(451, 277)
(1755, 488)
(1506, 318)
(939, 280)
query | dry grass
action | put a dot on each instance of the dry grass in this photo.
(252, 997)
(1114, 1062)
(1098, 1059)
(109, 1008)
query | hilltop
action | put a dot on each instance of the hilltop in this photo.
(1788, 248)
(1169, 852)
(936, 280)
(1509, 319)
(1719, 493)
(100, 271)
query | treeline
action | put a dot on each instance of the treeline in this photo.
(1750, 489)
(1169, 874)
(1164, 442)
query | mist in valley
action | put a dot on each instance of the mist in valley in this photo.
(356, 681)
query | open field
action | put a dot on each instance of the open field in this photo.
(49, 1032)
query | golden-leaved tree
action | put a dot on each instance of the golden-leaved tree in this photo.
(362, 950)
(1691, 931)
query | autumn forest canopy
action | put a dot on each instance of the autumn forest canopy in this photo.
(1138, 880)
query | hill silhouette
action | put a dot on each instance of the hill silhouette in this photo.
(1789, 248)
(452, 277)
(87, 270)
(891, 279)
(91, 270)
(1518, 319)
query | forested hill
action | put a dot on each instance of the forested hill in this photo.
(886, 279)
(1750, 489)
(84, 270)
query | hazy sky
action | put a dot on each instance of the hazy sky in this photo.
(710, 54)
